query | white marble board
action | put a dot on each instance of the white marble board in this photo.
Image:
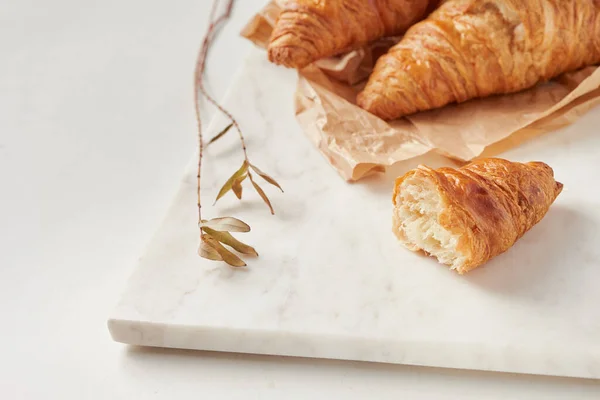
(332, 281)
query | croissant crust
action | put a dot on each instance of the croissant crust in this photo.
(475, 48)
(308, 30)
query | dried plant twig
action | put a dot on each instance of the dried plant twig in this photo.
(215, 233)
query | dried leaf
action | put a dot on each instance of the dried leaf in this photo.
(207, 251)
(229, 240)
(236, 186)
(228, 185)
(220, 134)
(227, 255)
(266, 177)
(263, 195)
(227, 224)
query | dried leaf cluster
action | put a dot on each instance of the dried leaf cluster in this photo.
(234, 183)
(215, 233)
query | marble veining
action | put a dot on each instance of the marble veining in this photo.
(332, 281)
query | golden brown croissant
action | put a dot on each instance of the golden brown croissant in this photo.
(308, 30)
(466, 216)
(475, 48)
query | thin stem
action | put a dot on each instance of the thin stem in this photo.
(233, 120)
(203, 90)
(199, 89)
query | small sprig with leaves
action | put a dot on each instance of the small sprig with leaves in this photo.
(215, 233)
(234, 183)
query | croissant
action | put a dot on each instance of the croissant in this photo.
(474, 48)
(466, 216)
(308, 30)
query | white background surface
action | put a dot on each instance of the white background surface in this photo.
(96, 127)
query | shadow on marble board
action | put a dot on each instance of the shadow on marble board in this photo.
(544, 257)
(452, 379)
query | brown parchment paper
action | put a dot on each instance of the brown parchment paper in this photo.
(357, 143)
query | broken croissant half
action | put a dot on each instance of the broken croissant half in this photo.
(466, 216)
